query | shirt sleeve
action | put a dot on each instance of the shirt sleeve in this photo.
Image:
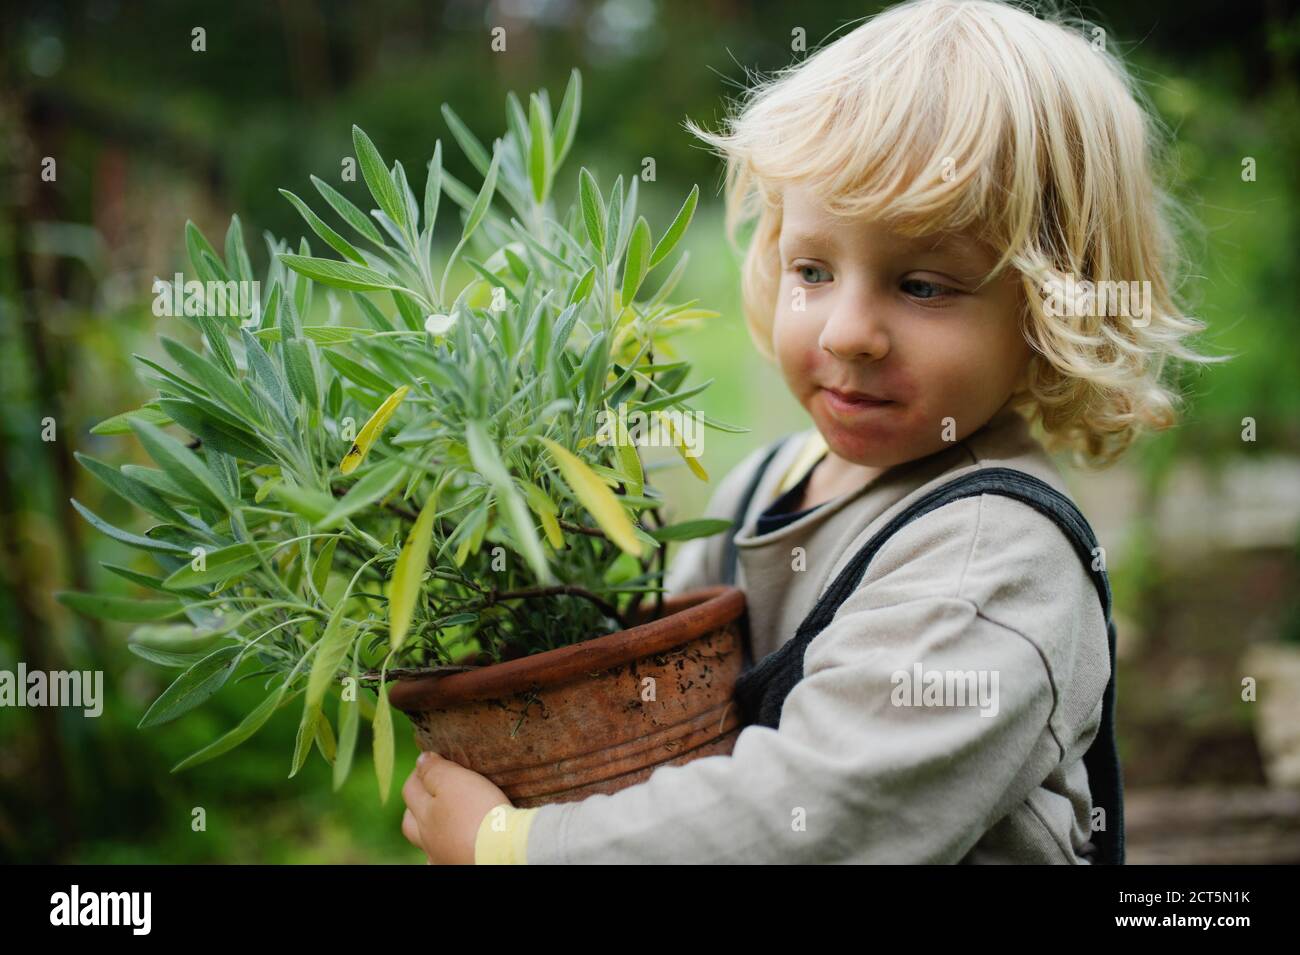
(502, 837)
(870, 763)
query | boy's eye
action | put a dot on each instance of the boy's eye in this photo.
(918, 288)
(801, 270)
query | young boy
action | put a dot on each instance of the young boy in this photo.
(929, 190)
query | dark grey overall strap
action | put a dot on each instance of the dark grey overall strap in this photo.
(730, 555)
(762, 689)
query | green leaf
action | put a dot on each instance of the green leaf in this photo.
(320, 334)
(135, 577)
(381, 183)
(121, 423)
(583, 288)
(670, 238)
(249, 725)
(320, 568)
(676, 398)
(461, 194)
(348, 212)
(376, 483)
(311, 504)
(174, 637)
(193, 686)
(613, 222)
(566, 121)
(308, 730)
(165, 658)
(432, 193)
(342, 275)
(349, 720)
(129, 489)
(197, 245)
(215, 336)
(213, 379)
(631, 462)
(217, 435)
(300, 370)
(638, 259)
(105, 607)
(688, 530)
(264, 370)
(408, 572)
(540, 159)
(322, 229)
(404, 190)
(510, 504)
(383, 732)
(132, 540)
(467, 141)
(331, 650)
(218, 565)
(358, 373)
(236, 253)
(340, 639)
(593, 210)
(373, 315)
(182, 465)
(484, 199)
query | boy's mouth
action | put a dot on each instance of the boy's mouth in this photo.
(852, 402)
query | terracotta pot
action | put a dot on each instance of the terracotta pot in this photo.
(561, 725)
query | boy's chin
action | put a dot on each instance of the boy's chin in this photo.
(870, 448)
(873, 444)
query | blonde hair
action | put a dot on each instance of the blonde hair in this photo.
(940, 115)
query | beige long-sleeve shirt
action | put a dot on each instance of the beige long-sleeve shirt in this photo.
(864, 768)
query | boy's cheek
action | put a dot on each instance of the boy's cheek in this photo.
(794, 342)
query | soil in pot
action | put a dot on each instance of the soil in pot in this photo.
(596, 716)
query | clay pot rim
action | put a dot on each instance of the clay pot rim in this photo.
(687, 616)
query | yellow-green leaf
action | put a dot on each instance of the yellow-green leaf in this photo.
(383, 732)
(264, 489)
(325, 741)
(545, 510)
(320, 568)
(371, 431)
(631, 461)
(596, 497)
(692, 461)
(408, 572)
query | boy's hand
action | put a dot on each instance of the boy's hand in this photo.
(445, 803)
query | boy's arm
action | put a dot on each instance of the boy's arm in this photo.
(848, 769)
(862, 768)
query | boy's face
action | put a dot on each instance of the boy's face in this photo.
(864, 311)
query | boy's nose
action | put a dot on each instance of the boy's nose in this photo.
(852, 331)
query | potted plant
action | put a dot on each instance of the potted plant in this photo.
(439, 500)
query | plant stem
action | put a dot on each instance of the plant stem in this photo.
(568, 590)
